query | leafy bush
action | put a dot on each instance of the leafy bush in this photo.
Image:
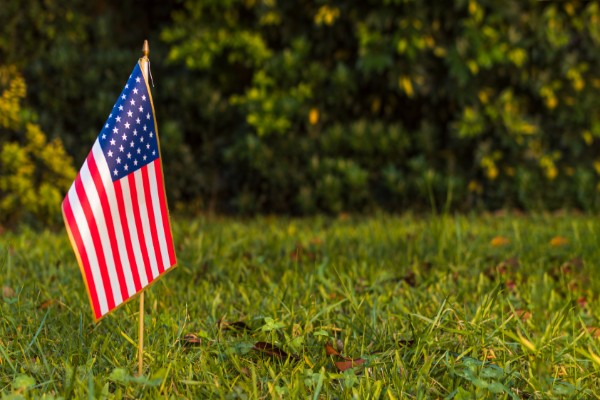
(34, 173)
(307, 106)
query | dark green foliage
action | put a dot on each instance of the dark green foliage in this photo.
(305, 106)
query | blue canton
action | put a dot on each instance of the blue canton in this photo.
(128, 139)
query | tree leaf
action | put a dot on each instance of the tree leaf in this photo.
(345, 365)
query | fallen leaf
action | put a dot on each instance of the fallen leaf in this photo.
(47, 304)
(524, 315)
(594, 331)
(7, 292)
(272, 350)
(233, 326)
(558, 241)
(510, 285)
(406, 342)
(191, 339)
(499, 241)
(330, 350)
(582, 301)
(345, 365)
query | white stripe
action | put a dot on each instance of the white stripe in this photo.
(114, 211)
(156, 198)
(94, 201)
(135, 241)
(141, 194)
(86, 237)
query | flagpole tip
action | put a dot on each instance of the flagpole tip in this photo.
(146, 49)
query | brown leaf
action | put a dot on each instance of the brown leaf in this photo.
(191, 339)
(582, 301)
(7, 292)
(406, 342)
(558, 241)
(499, 241)
(345, 365)
(594, 331)
(510, 285)
(47, 304)
(237, 326)
(272, 350)
(524, 315)
(330, 350)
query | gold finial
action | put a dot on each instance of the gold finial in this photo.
(146, 49)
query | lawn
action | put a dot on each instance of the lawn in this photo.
(388, 307)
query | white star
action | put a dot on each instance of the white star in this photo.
(148, 146)
(127, 125)
(124, 137)
(148, 116)
(151, 134)
(129, 114)
(138, 150)
(142, 139)
(134, 162)
(127, 86)
(132, 102)
(106, 126)
(141, 109)
(115, 130)
(128, 155)
(123, 97)
(131, 144)
(110, 115)
(144, 97)
(121, 148)
(110, 153)
(135, 132)
(120, 108)
(126, 167)
(118, 119)
(144, 128)
(115, 171)
(137, 79)
(137, 120)
(135, 90)
(144, 158)
(112, 142)
(118, 160)
(103, 136)
(153, 152)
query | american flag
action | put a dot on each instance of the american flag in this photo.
(116, 209)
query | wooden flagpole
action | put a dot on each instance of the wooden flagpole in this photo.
(144, 65)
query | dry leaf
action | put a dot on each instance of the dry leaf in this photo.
(345, 365)
(510, 285)
(406, 342)
(7, 292)
(582, 301)
(558, 241)
(524, 315)
(594, 331)
(233, 326)
(330, 350)
(499, 241)
(46, 304)
(191, 339)
(272, 350)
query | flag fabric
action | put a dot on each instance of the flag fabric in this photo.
(116, 210)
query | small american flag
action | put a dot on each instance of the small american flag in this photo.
(116, 209)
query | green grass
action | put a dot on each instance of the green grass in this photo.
(433, 308)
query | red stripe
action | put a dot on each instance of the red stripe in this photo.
(109, 224)
(162, 199)
(128, 246)
(152, 220)
(76, 235)
(139, 227)
(89, 217)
